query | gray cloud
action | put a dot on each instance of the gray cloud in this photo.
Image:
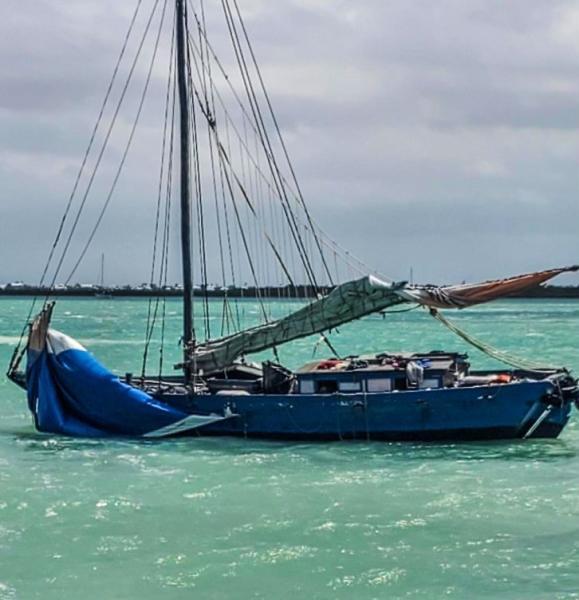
(440, 135)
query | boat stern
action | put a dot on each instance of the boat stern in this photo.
(550, 415)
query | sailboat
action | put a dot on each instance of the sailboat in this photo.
(102, 291)
(217, 391)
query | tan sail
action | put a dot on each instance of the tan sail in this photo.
(462, 296)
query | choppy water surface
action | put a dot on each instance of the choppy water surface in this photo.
(239, 519)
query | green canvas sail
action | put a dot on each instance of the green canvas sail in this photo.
(345, 303)
(351, 301)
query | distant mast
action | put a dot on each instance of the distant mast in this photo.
(102, 277)
(188, 338)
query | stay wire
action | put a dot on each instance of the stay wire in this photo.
(281, 139)
(91, 142)
(163, 153)
(248, 152)
(228, 226)
(198, 189)
(243, 236)
(276, 172)
(104, 145)
(126, 151)
(167, 232)
(212, 121)
(152, 313)
(76, 184)
(209, 112)
(254, 105)
(252, 209)
(343, 254)
(224, 154)
(210, 101)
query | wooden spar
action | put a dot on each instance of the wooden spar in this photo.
(188, 339)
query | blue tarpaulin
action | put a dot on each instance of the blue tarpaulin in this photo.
(71, 393)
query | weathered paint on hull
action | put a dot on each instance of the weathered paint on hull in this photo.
(475, 413)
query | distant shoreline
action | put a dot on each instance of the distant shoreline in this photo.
(270, 293)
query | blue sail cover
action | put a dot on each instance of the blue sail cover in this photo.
(71, 393)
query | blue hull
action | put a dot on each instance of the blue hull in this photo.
(476, 413)
(71, 393)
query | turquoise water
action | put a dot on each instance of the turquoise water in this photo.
(237, 519)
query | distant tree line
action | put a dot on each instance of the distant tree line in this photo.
(272, 292)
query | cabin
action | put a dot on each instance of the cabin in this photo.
(381, 373)
(352, 375)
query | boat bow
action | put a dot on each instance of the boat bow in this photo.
(71, 393)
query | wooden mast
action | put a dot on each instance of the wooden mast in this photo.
(188, 338)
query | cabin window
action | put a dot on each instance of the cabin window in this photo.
(307, 386)
(350, 387)
(328, 386)
(432, 382)
(400, 383)
(383, 384)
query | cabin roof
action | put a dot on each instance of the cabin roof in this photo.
(381, 363)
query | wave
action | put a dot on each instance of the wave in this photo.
(110, 342)
(9, 340)
(12, 340)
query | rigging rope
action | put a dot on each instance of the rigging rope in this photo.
(163, 275)
(243, 236)
(91, 142)
(239, 183)
(224, 157)
(163, 152)
(501, 356)
(266, 143)
(17, 354)
(323, 237)
(104, 145)
(126, 150)
(228, 227)
(198, 185)
(210, 103)
(282, 141)
(152, 312)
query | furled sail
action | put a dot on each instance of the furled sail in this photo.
(462, 296)
(351, 301)
(344, 303)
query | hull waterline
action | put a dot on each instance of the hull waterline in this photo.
(479, 413)
(425, 397)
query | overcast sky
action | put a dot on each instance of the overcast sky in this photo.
(442, 136)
